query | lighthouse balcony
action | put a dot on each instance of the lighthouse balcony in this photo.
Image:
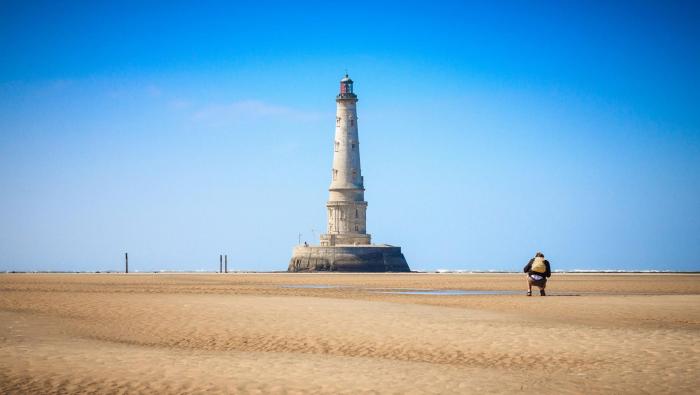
(346, 96)
(350, 239)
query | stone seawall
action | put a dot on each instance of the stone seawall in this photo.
(368, 258)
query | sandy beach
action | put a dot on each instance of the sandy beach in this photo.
(348, 333)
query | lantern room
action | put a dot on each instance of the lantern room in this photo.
(346, 90)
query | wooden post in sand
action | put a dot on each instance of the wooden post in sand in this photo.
(126, 262)
(226, 263)
(221, 260)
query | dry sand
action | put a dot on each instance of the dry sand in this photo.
(252, 333)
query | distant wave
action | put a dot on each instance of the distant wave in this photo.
(558, 271)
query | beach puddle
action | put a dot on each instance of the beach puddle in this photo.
(448, 292)
(314, 286)
(408, 291)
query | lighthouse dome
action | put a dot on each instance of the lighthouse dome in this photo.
(346, 89)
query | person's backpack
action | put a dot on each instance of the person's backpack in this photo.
(538, 265)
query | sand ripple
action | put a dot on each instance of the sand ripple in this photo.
(88, 336)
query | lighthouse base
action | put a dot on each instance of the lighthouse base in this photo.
(348, 258)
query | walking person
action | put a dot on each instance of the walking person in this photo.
(538, 271)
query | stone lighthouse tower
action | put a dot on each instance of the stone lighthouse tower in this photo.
(347, 209)
(346, 246)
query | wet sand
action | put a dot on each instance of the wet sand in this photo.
(345, 333)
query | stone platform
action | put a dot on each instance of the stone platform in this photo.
(348, 258)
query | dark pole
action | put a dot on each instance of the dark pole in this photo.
(126, 261)
(221, 257)
(225, 263)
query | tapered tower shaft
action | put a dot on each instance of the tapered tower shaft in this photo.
(347, 208)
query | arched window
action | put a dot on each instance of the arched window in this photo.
(337, 146)
(356, 214)
(356, 228)
(354, 174)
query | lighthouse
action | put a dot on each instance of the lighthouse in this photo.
(347, 208)
(346, 246)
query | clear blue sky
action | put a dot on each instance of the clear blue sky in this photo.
(490, 130)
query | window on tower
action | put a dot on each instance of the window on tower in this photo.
(354, 174)
(337, 146)
(352, 122)
(335, 174)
